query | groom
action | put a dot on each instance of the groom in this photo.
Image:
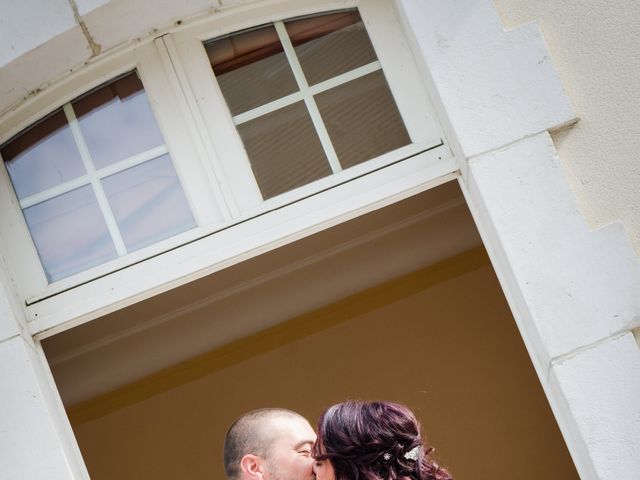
(269, 444)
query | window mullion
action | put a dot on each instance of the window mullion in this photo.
(309, 101)
(267, 108)
(345, 77)
(86, 179)
(101, 197)
(56, 191)
(132, 161)
(314, 90)
(177, 77)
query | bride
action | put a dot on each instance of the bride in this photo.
(372, 441)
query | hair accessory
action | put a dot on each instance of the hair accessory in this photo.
(386, 456)
(413, 453)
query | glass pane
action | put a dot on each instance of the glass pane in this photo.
(284, 150)
(43, 157)
(329, 45)
(251, 69)
(117, 121)
(362, 119)
(148, 203)
(70, 233)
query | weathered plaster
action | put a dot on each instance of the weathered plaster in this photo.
(119, 21)
(595, 48)
(42, 41)
(33, 70)
(26, 24)
(85, 6)
(95, 48)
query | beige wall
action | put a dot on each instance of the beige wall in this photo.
(594, 46)
(449, 350)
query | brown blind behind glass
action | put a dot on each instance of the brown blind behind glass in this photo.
(284, 150)
(362, 119)
(251, 68)
(330, 45)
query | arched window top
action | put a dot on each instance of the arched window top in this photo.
(174, 156)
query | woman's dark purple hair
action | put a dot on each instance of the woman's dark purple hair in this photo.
(369, 441)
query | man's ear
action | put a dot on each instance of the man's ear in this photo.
(252, 467)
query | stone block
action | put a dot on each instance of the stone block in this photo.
(31, 444)
(496, 86)
(580, 286)
(601, 387)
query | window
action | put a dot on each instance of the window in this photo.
(308, 98)
(249, 125)
(95, 180)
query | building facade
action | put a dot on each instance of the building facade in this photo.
(539, 137)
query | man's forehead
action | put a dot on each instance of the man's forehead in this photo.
(292, 428)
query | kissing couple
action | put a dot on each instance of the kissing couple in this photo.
(356, 440)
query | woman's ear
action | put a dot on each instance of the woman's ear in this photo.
(252, 467)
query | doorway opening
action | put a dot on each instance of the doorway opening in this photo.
(399, 304)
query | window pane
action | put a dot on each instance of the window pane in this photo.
(43, 157)
(251, 69)
(362, 119)
(148, 203)
(70, 233)
(330, 45)
(284, 150)
(117, 121)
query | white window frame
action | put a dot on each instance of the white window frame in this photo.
(214, 170)
(198, 182)
(187, 51)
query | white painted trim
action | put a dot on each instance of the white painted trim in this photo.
(309, 101)
(240, 242)
(254, 282)
(59, 415)
(180, 84)
(101, 197)
(267, 108)
(217, 130)
(65, 187)
(345, 77)
(233, 18)
(53, 192)
(17, 246)
(132, 161)
(313, 90)
(400, 71)
(205, 205)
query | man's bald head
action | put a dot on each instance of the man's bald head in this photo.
(252, 433)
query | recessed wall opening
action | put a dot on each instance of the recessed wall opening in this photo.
(400, 304)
